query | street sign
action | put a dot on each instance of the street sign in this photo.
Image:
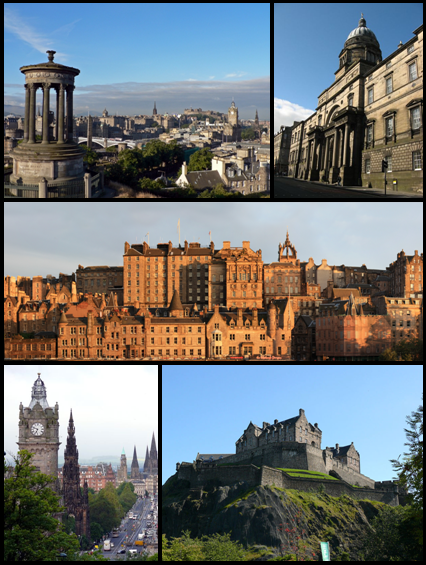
(325, 551)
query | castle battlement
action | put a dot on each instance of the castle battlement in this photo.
(261, 453)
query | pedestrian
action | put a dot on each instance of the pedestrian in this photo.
(339, 178)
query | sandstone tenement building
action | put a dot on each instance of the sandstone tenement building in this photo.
(194, 301)
(262, 453)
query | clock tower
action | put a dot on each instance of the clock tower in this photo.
(39, 430)
(233, 115)
(231, 129)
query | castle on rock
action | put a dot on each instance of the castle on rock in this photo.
(268, 455)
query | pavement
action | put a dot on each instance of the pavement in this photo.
(285, 187)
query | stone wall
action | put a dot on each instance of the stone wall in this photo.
(219, 476)
(222, 476)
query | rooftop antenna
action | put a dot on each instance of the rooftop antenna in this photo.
(179, 230)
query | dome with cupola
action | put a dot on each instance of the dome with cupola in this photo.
(362, 34)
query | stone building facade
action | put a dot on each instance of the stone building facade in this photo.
(151, 275)
(39, 430)
(372, 111)
(294, 429)
(406, 275)
(394, 119)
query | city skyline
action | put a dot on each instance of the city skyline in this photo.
(129, 59)
(313, 69)
(343, 233)
(103, 424)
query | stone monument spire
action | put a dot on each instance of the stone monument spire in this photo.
(77, 504)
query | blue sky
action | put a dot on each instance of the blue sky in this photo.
(130, 55)
(308, 39)
(341, 232)
(206, 409)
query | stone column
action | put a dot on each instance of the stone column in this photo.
(327, 146)
(31, 121)
(345, 145)
(60, 114)
(69, 112)
(56, 113)
(27, 113)
(46, 89)
(334, 161)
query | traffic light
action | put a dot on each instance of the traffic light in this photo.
(384, 166)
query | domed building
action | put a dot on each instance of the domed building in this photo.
(361, 44)
(328, 146)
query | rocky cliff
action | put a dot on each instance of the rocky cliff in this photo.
(254, 516)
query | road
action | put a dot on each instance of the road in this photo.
(300, 190)
(130, 529)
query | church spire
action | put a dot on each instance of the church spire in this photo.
(134, 474)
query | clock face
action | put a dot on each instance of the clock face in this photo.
(37, 429)
(232, 111)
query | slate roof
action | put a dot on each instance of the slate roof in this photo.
(201, 180)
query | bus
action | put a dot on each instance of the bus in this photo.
(115, 533)
(107, 545)
(131, 515)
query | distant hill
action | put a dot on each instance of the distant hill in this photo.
(18, 111)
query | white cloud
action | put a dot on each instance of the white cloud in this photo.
(285, 113)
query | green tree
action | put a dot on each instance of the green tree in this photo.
(410, 471)
(32, 530)
(200, 160)
(210, 548)
(384, 542)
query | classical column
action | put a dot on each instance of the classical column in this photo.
(31, 121)
(46, 89)
(327, 148)
(345, 145)
(27, 113)
(60, 114)
(334, 161)
(69, 112)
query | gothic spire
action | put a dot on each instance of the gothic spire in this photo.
(153, 453)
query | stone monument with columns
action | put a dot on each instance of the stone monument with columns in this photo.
(59, 161)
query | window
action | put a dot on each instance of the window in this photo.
(412, 71)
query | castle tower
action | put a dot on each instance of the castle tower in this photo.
(58, 161)
(76, 503)
(134, 472)
(39, 430)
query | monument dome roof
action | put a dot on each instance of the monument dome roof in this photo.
(363, 32)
